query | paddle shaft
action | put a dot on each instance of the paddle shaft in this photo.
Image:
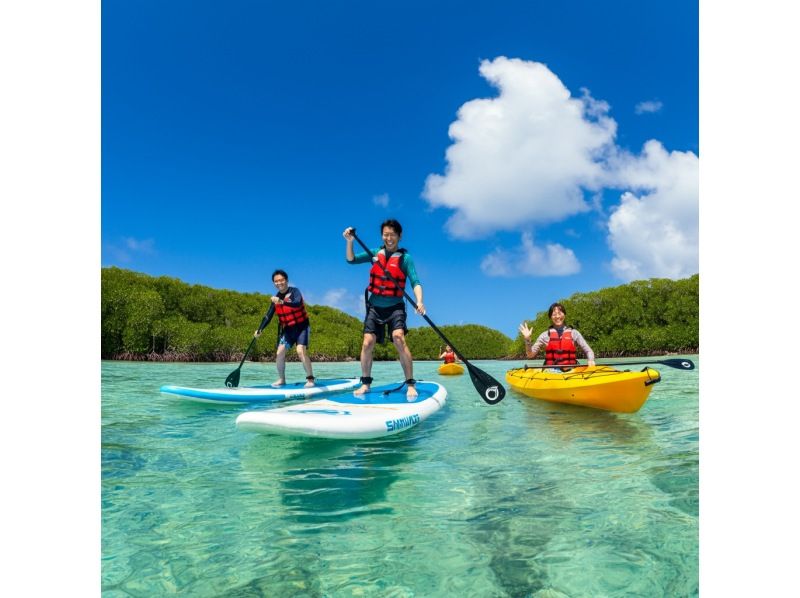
(264, 323)
(679, 364)
(246, 353)
(267, 317)
(492, 395)
(233, 378)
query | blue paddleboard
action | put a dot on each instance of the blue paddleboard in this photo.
(259, 394)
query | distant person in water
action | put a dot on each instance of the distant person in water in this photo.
(391, 268)
(293, 327)
(559, 340)
(448, 355)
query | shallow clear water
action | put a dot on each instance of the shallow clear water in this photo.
(524, 498)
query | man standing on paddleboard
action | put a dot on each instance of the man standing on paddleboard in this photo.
(293, 327)
(391, 268)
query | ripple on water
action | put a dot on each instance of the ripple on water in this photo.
(524, 498)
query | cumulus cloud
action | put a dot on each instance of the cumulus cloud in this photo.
(530, 260)
(533, 154)
(340, 298)
(129, 247)
(648, 107)
(381, 200)
(333, 297)
(144, 246)
(522, 157)
(654, 230)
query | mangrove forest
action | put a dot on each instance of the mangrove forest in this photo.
(164, 319)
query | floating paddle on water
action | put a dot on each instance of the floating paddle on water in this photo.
(490, 389)
(232, 381)
(679, 364)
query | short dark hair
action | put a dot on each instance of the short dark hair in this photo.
(282, 273)
(393, 224)
(556, 305)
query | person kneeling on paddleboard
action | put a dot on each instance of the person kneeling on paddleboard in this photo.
(558, 341)
(391, 268)
(293, 327)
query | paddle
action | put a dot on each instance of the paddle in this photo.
(490, 389)
(679, 364)
(232, 381)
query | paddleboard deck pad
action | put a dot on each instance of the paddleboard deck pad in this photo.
(260, 394)
(370, 415)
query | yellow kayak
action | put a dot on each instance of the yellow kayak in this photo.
(451, 369)
(601, 387)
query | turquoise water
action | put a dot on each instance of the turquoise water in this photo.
(524, 498)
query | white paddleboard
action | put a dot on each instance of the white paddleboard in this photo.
(259, 394)
(371, 415)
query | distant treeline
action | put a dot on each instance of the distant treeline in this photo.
(645, 317)
(165, 319)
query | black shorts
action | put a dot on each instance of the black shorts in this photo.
(380, 318)
(294, 335)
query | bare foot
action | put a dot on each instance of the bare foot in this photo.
(411, 393)
(278, 383)
(361, 391)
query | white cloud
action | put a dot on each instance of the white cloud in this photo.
(333, 297)
(648, 107)
(530, 260)
(340, 298)
(125, 252)
(523, 157)
(529, 155)
(144, 246)
(654, 232)
(381, 200)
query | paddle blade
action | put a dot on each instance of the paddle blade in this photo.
(232, 381)
(490, 389)
(681, 364)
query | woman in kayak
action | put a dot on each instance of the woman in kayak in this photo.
(391, 268)
(558, 341)
(293, 327)
(448, 355)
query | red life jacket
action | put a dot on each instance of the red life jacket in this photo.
(450, 357)
(379, 282)
(560, 350)
(291, 316)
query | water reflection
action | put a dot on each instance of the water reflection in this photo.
(514, 524)
(352, 481)
(522, 506)
(323, 481)
(571, 423)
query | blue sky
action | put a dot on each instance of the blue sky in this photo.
(531, 150)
